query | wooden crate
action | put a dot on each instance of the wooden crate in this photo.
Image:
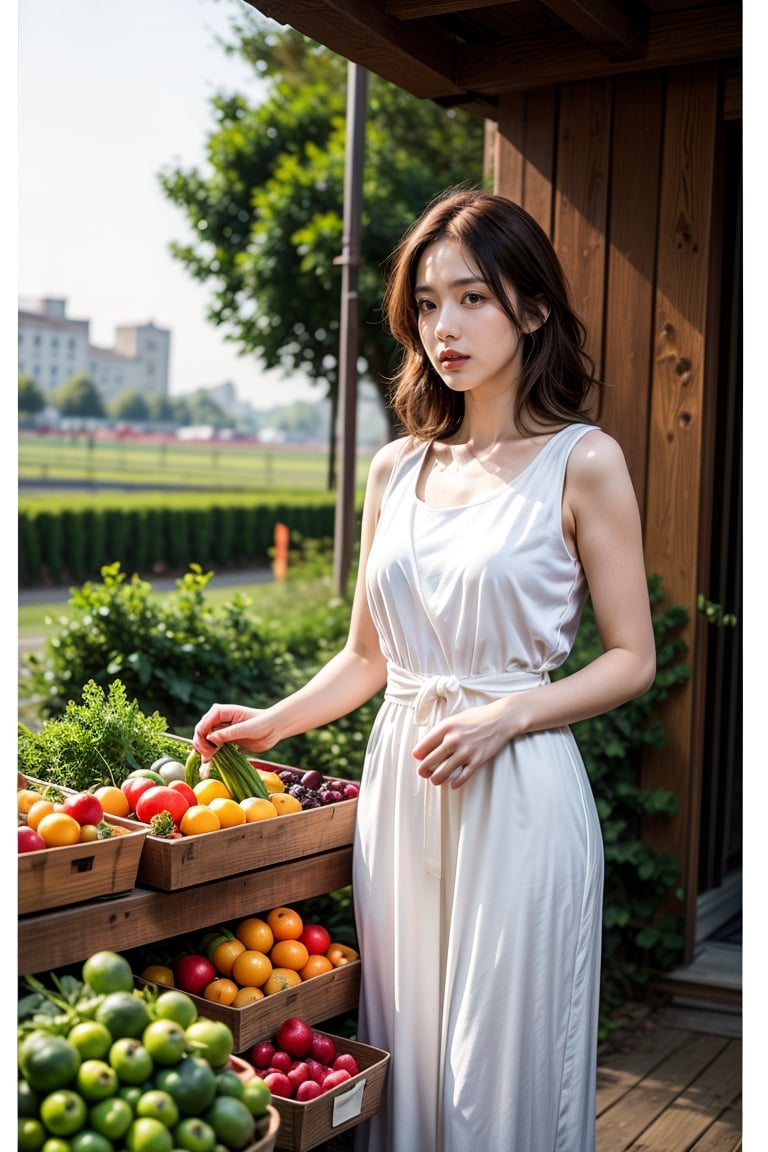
(304, 1126)
(315, 1000)
(53, 877)
(173, 864)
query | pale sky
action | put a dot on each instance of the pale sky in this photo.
(108, 95)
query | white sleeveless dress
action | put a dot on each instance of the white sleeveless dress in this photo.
(478, 910)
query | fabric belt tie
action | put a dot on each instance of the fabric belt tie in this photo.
(433, 697)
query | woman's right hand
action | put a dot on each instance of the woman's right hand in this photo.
(252, 729)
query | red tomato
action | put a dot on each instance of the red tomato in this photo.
(134, 787)
(160, 798)
(84, 807)
(186, 791)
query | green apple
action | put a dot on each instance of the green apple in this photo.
(191, 1082)
(194, 1135)
(55, 1144)
(256, 1096)
(63, 1112)
(130, 1060)
(96, 1080)
(228, 1083)
(160, 1105)
(148, 1135)
(92, 1040)
(112, 1118)
(165, 1041)
(89, 1141)
(176, 1005)
(28, 1100)
(211, 1039)
(232, 1121)
(31, 1134)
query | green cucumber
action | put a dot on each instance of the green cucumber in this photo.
(146, 774)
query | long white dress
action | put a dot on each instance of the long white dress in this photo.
(478, 910)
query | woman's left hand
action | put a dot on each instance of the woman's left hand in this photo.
(454, 749)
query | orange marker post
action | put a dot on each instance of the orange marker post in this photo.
(280, 565)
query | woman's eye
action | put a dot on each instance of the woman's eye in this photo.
(424, 305)
(473, 298)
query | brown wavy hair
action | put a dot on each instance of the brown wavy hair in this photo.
(508, 247)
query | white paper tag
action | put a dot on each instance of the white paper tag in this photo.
(348, 1104)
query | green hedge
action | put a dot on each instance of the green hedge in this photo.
(73, 545)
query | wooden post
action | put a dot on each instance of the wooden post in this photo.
(280, 565)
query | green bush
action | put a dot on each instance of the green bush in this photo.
(176, 655)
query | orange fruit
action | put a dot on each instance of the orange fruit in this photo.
(255, 933)
(286, 923)
(113, 800)
(229, 812)
(284, 803)
(224, 954)
(39, 809)
(197, 820)
(257, 808)
(207, 790)
(220, 991)
(289, 954)
(158, 974)
(25, 798)
(280, 979)
(247, 995)
(316, 965)
(57, 829)
(88, 833)
(251, 968)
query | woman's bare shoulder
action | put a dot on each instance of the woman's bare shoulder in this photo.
(385, 458)
(596, 456)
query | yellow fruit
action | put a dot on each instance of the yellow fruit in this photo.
(257, 808)
(284, 803)
(113, 800)
(229, 812)
(198, 819)
(272, 781)
(207, 790)
(25, 798)
(57, 829)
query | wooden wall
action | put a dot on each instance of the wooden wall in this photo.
(621, 173)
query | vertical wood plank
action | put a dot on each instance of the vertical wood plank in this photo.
(677, 427)
(524, 153)
(581, 200)
(629, 299)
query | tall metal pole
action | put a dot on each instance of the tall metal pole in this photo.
(357, 99)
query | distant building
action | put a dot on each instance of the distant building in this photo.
(53, 347)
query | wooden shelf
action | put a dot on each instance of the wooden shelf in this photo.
(53, 939)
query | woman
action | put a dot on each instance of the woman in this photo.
(478, 861)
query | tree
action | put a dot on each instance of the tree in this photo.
(78, 396)
(31, 399)
(130, 405)
(267, 213)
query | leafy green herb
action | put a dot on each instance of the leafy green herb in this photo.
(99, 741)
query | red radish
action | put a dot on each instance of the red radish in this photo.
(279, 1084)
(281, 1061)
(294, 1036)
(347, 1061)
(309, 1090)
(262, 1053)
(322, 1048)
(333, 1079)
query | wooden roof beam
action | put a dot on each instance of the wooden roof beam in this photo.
(559, 57)
(392, 49)
(617, 28)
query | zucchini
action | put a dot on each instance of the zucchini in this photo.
(238, 774)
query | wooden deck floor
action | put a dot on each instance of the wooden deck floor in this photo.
(675, 1086)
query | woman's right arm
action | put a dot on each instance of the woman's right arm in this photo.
(349, 679)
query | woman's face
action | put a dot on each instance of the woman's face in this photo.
(468, 337)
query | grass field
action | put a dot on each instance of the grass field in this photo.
(166, 464)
